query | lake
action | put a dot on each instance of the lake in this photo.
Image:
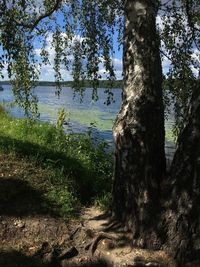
(80, 114)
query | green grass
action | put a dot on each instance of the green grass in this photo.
(169, 135)
(74, 170)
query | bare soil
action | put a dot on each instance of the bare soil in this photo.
(31, 236)
(46, 241)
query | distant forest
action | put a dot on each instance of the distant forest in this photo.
(86, 83)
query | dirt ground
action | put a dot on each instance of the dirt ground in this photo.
(30, 236)
(90, 241)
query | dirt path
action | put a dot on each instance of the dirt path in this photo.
(30, 236)
(93, 240)
(106, 239)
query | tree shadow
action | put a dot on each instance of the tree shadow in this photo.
(17, 259)
(96, 263)
(112, 226)
(18, 198)
(41, 153)
(44, 156)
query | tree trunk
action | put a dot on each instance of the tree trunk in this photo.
(182, 218)
(139, 127)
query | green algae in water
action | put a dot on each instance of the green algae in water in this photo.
(103, 121)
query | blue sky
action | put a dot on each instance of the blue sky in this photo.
(47, 72)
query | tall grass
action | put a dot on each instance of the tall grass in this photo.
(80, 171)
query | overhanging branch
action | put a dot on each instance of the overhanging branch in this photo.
(33, 24)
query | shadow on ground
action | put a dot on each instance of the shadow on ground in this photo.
(18, 198)
(111, 235)
(17, 259)
(40, 152)
(97, 263)
(45, 156)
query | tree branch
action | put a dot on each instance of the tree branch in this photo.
(190, 22)
(33, 24)
(165, 55)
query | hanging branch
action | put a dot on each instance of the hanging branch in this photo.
(191, 23)
(32, 25)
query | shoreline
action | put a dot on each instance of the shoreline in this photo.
(87, 84)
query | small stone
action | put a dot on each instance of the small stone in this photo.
(19, 223)
(32, 251)
(147, 264)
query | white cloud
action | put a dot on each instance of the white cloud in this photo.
(118, 64)
(47, 71)
(4, 72)
(159, 22)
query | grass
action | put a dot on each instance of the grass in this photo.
(69, 170)
(169, 136)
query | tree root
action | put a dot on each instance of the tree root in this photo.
(99, 237)
(74, 232)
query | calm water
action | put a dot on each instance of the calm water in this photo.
(80, 114)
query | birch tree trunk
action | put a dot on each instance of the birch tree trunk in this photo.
(182, 218)
(139, 128)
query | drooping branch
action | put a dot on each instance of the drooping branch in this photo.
(33, 24)
(2, 7)
(191, 24)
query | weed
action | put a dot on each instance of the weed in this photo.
(78, 168)
(104, 201)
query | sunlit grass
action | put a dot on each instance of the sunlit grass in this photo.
(73, 162)
(169, 135)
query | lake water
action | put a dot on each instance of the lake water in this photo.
(80, 114)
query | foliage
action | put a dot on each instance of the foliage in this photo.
(179, 33)
(61, 118)
(104, 202)
(74, 162)
(96, 161)
(86, 32)
(65, 200)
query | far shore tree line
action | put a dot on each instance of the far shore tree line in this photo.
(85, 83)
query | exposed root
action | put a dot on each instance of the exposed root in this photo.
(74, 232)
(96, 241)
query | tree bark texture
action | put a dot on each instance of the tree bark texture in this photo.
(139, 128)
(182, 216)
